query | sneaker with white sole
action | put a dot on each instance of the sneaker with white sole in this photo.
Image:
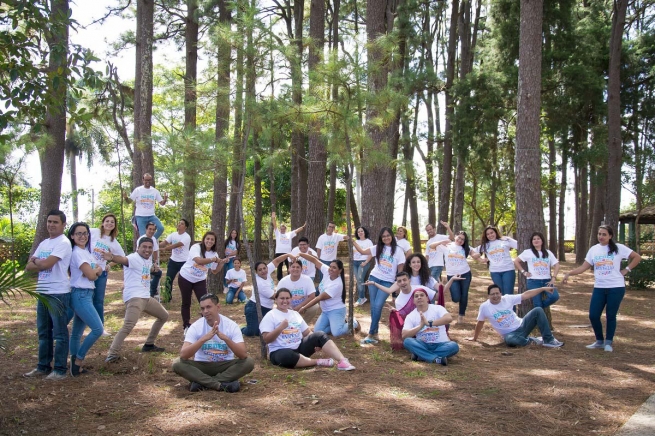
(105, 333)
(596, 345)
(443, 361)
(327, 363)
(361, 302)
(55, 376)
(537, 340)
(36, 372)
(608, 348)
(554, 343)
(345, 365)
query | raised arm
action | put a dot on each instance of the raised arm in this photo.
(123, 260)
(434, 245)
(365, 251)
(390, 290)
(164, 197)
(448, 229)
(534, 292)
(274, 221)
(579, 270)
(301, 228)
(312, 259)
(449, 283)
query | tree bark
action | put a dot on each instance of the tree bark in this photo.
(238, 117)
(552, 195)
(299, 167)
(561, 252)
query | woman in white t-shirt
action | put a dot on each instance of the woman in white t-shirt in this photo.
(331, 297)
(283, 240)
(291, 342)
(389, 260)
(456, 254)
(84, 271)
(419, 271)
(103, 240)
(401, 240)
(231, 250)
(539, 261)
(236, 280)
(609, 282)
(362, 263)
(193, 274)
(265, 288)
(496, 249)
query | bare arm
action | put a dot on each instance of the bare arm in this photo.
(579, 270)
(390, 290)
(312, 259)
(634, 258)
(478, 329)
(301, 228)
(365, 251)
(36, 264)
(274, 221)
(278, 260)
(90, 273)
(450, 282)
(313, 301)
(449, 230)
(122, 260)
(534, 292)
(272, 335)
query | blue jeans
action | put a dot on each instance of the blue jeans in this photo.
(360, 274)
(228, 266)
(229, 298)
(252, 321)
(459, 291)
(155, 276)
(600, 298)
(52, 327)
(505, 281)
(85, 314)
(142, 222)
(435, 273)
(333, 322)
(377, 298)
(537, 300)
(99, 296)
(428, 352)
(536, 317)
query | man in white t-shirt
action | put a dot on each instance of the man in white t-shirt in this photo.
(51, 260)
(213, 355)
(308, 268)
(435, 256)
(155, 274)
(283, 240)
(178, 242)
(327, 247)
(499, 311)
(136, 296)
(144, 198)
(424, 331)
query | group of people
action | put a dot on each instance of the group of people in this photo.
(72, 277)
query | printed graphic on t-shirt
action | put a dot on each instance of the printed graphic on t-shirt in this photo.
(297, 296)
(179, 251)
(456, 258)
(305, 266)
(328, 247)
(147, 201)
(46, 273)
(199, 271)
(291, 335)
(604, 264)
(504, 318)
(99, 248)
(145, 276)
(385, 264)
(429, 335)
(541, 267)
(496, 254)
(216, 351)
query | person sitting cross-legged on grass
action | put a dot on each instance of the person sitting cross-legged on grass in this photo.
(213, 355)
(424, 331)
(498, 309)
(136, 296)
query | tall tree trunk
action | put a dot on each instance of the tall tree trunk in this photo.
(494, 181)
(529, 204)
(73, 169)
(429, 162)
(238, 115)
(552, 195)
(332, 193)
(353, 204)
(299, 167)
(273, 198)
(189, 171)
(615, 144)
(447, 164)
(561, 252)
(257, 181)
(51, 157)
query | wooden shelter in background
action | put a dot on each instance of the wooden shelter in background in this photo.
(647, 216)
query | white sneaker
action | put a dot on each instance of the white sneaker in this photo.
(608, 348)
(538, 340)
(596, 345)
(360, 302)
(105, 333)
(186, 329)
(553, 344)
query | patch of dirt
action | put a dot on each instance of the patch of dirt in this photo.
(486, 389)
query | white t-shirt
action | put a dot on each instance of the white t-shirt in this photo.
(231, 249)
(55, 280)
(291, 336)
(283, 241)
(456, 260)
(104, 244)
(416, 281)
(308, 267)
(404, 244)
(607, 267)
(429, 335)
(328, 245)
(435, 255)
(497, 252)
(155, 244)
(301, 289)
(387, 267)
(366, 243)
(501, 315)
(333, 288)
(193, 272)
(136, 277)
(233, 274)
(539, 266)
(215, 349)
(179, 254)
(402, 298)
(79, 257)
(265, 287)
(145, 199)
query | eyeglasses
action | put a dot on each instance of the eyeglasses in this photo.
(81, 234)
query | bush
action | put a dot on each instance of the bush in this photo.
(23, 238)
(644, 275)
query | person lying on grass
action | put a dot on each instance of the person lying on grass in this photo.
(291, 342)
(498, 309)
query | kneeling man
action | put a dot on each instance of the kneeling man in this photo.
(213, 355)
(499, 310)
(428, 323)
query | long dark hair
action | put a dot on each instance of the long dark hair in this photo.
(611, 244)
(343, 279)
(380, 244)
(71, 231)
(485, 241)
(114, 232)
(423, 273)
(543, 242)
(366, 234)
(203, 249)
(229, 238)
(465, 245)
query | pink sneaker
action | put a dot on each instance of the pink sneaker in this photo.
(328, 363)
(344, 365)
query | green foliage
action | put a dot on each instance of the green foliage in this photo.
(643, 276)
(22, 241)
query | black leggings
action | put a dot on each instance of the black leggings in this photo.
(288, 358)
(279, 267)
(186, 289)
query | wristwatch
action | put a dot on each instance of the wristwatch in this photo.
(628, 268)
